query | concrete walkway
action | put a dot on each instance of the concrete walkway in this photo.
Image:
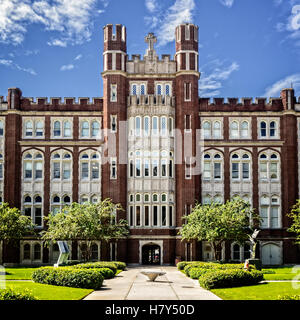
(132, 285)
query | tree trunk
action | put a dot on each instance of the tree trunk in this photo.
(217, 249)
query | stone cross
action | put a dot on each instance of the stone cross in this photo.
(150, 39)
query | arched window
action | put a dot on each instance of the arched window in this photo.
(57, 129)
(146, 126)
(269, 166)
(28, 129)
(67, 129)
(137, 126)
(1, 128)
(39, 128)
(96, 129)
(244, 129)
(263, 129)
(217, 130)
(94, 251)
(26, 252)
(37, 252)
(155, 126)
(240, 166)
(273, 129)
(85, 129)
(163, 125)
(236, 252)
(158, 89)
(207, 130)
(234, 128)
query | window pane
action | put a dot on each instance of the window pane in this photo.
(96, 127)
(84, 170)
(56, 129)
(235, 170)
(56, 170)
(67, 129)
(246, 171)
(85, 129)
(66, 170)
(274, 217)
(217, 170)
(95, 170)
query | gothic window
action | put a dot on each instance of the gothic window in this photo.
(244, 129)
(234, 129)
(33, 166)
(137, 126)
(57, 129)
(33, 209)
(113, 168)
(240, 166)
(28, 129)
(155, 126)
(146, 126)
(269, 212)
(26, 252)
(1, 128)
(269, 129)
(85, 129)
(207, 129)
(163, 126)
(113, 119)
(39, 128)
(67, 129)
(269, 166)
(113, 93)
(217, 130)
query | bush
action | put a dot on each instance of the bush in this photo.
(266, 271)
(69, 277)
(120, 265)
(97, 265)
(182, 264)
(106, 272)
(70, 263)
(215, 266)
(230, 278)
(288, 297)
(195, 273)
(9, 294)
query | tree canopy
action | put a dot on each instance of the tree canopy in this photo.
(86, 222)
(13, 225)
(217, 223)
(295, 216)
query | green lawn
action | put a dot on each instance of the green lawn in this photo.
(266, 291)
(282, 273)
(18, 273)
(47, 292)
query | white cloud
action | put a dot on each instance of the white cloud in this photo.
(71, 19)
(13, 65)
(227, 3)
(78, 57)
(287, 82)
(211, 81)
(180, 12)
(151, 5)
(67, 67)
(57, 43)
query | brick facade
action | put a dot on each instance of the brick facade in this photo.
(137, 93)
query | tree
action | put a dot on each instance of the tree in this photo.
(217, 223)
(13, 225)
(295, 216)
(86, 222)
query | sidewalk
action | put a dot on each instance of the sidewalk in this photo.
(132, 285)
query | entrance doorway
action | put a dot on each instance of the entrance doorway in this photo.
(151, 254)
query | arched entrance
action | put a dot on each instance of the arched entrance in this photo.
(151, 254)
(271, 254)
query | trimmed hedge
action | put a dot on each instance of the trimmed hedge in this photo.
(230, 278)
(182, 264)
(97, 265)
(9, 294)
(195, 273)
(106, 272)
(120, 265)
(69, 277)
(215, 266)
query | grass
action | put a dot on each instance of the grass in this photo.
(266, 291)
(18, 273)
(47, 292)
(282, 273)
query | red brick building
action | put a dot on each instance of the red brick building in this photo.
(139, 145)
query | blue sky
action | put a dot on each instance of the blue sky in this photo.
(53, 48)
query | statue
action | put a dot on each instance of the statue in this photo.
(253, 240)
(64, 252)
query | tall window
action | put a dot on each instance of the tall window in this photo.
(85, 129)
(269, 212)
(28, 129)
(240, 166)
(269, 166)
(268, 129)
(32, 207)
(1, 167)
(217, 130)
(187, 91)
(113, 168)
(212, 167)
(146, 126)
(207, 129)
(39, 129)
(1, 128)
(113, 120)
(188, 125)
(234, 129)
(67, 129)
(244, 129)
(33, 166)
(57, 129)
(113, 93)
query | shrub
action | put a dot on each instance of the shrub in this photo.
(181, 265)
(70, 263)
(215, 266)
(106, 272)
(69, 277)
(288, 297)
(195, 273)
(230, 278)
(97, 265)
(120, 265)
(9, 294)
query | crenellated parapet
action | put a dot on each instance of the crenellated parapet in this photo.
(17, 102)
(249, 104)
